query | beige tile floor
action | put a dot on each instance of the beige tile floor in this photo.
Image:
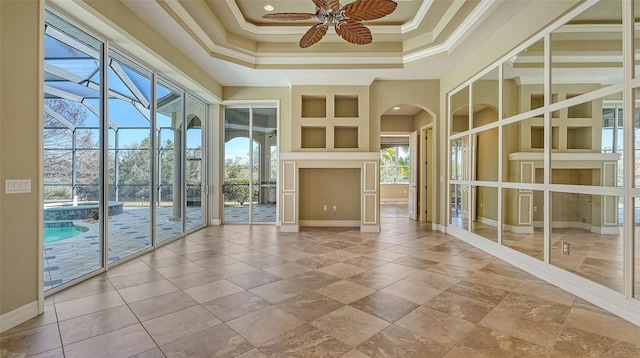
(241, 291)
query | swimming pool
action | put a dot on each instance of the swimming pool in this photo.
(53, 234)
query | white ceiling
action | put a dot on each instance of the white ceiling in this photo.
(268, 55)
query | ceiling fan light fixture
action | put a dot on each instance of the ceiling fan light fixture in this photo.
(345, 19)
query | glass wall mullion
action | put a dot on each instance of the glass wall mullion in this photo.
(154, 138)
(183, 162)
(628, 152)
(104, 151)
(547, 144)
(251, 144)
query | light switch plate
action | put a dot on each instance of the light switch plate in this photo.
(17, 186)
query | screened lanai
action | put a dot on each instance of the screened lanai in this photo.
(122, 154)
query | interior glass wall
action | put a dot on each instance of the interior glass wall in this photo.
(555, 152)
(251, 165)
(99, 159)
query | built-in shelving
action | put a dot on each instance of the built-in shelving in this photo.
(345, 137)
(314, 106)
(314, 137)
(329, 121)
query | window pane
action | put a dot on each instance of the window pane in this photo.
(486, 163)
(459, 206)
(485, 99)
(586, 236)
(587, 58)
(485, 206)
(523, 79)
(592, 127)
(523, 221)
(459, 109)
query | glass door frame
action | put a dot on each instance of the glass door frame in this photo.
(250, 105)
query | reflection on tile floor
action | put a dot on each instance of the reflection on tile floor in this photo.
(262, 213)
(597, 257)
(246, 291)
(129, 232)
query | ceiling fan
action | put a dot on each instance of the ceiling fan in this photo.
(345, 19)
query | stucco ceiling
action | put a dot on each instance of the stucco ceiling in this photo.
(231, 40)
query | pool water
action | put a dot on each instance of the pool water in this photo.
(53, 234)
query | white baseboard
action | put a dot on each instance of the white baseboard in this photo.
(486, 221)
(606, 230)
(439, 227)
(330, 223)
(289, 228)
(370, 228)
(518, 229)
(570, 225)
(215, 222)
(602, 230)
(19, 315)
(400, 200)
(599, 295)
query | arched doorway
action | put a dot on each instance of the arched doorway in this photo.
(405, 164)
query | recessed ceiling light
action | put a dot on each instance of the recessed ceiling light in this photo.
(268, 7)
(396, 108)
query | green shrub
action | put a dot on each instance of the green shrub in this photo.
(57, 192)
(236, 189)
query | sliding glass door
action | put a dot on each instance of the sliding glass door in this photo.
(169, 119)
(129, 158)
(196, 202)
(251, 165)
(123, 156)
(71, 153)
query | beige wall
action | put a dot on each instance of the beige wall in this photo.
(396, 124)
(394, 192)
(407, 124)
(330, 186)
(421, 119)
(386, 94)
(20, 143)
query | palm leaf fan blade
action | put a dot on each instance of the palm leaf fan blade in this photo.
(334, 5)
(290, 16)
(354, 32)
(321, 3)
(365, 10)
(313, 35)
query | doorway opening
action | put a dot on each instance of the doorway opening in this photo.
(250, 165)
(405, 131)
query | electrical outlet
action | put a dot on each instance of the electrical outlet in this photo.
(335, 208)
(325, 208)
(535, 209)
(566, 248)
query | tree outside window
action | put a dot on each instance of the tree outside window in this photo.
(394, 165)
